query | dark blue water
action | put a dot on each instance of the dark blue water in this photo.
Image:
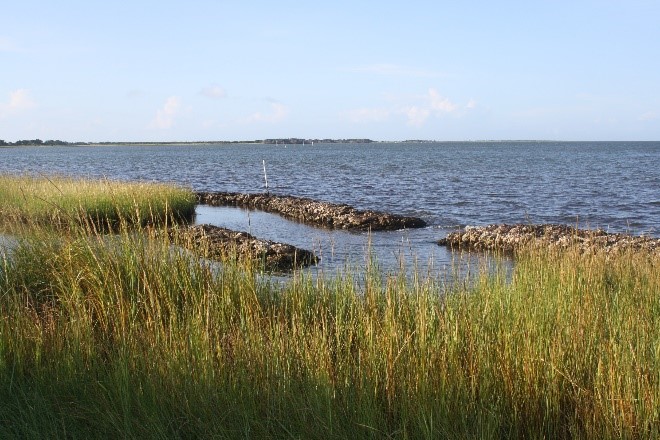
(610, 185)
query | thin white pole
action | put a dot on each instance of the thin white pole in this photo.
(265, 176)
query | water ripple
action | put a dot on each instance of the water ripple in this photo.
(608, 184)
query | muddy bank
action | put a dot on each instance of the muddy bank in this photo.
(313, 212)
(508, 238)
(220, 243)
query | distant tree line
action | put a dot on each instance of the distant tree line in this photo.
(32, 142)
(296, 141)
(51, 142)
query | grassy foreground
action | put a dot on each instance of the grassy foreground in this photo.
(123, 337)
(131, 340)
(103, 204)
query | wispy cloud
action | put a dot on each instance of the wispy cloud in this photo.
(439, 103)
(214, 92)
(433, 103)
(417, 116)
(19, 100)
(394, 70)
(415, 110)
(278, 113)
(165, 116)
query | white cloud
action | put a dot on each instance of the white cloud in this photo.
(417, 116)
(19, 100)
(214, 92)
(278, 113)
(433, 104)
(415, 109)
(440, 104)
(165, 116)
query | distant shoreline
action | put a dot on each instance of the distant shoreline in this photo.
(285, 141)
(279, 141)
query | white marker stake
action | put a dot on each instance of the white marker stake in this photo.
(265, 176)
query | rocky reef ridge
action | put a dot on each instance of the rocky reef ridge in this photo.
(313, 212)
(509, 238)
(220, 243)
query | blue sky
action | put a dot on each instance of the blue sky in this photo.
(230, 70)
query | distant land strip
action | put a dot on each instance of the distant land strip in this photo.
(280, 141)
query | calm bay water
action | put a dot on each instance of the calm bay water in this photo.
(611, 185)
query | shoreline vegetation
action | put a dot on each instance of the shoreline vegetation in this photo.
(118, 336)
(64, 202)
(279, 141)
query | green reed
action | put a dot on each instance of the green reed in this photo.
(126, 336)
(64, 201)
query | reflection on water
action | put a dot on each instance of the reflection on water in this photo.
(6, 244)
(611, 185)
(339, 249)
(412, 251)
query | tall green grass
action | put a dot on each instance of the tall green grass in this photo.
(63, 201)
(128, 337)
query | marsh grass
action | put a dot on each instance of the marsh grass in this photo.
(60, 202)
(129, 337)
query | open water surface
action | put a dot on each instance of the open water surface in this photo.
(610, 185)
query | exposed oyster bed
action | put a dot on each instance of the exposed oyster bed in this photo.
(313, 212)
(511, 237)
(222, 243)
